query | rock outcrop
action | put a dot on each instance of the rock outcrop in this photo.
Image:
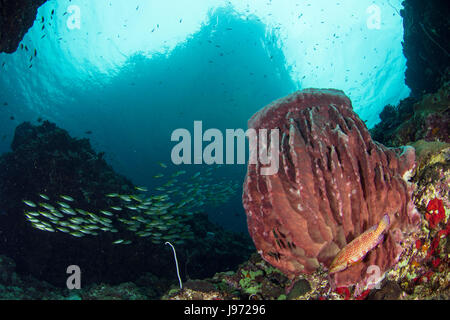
(16, 17)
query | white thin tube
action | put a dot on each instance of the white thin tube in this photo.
(176, 263)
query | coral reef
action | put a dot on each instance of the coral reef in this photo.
(15, 287)
(47, 160)
(18, 287)
(196, 290)
(427, 118)
(255, 280)
(432, 175)
(424, 270)
(123, 291)
(334, 183)
(425, 46)
(16, 17)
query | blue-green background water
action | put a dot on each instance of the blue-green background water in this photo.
(137, 70)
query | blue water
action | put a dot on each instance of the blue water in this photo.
(134, 71)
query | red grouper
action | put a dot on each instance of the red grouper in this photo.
(357, 249)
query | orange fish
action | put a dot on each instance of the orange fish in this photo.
(357, 249)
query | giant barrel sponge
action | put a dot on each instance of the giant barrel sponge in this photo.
(334, 183)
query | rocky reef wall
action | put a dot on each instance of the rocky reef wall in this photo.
(426, 46)
(16, 17)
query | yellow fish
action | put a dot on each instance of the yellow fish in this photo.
(357, 249)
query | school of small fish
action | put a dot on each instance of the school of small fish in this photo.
(161, 217)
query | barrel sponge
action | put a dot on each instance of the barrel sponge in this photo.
(333, 183)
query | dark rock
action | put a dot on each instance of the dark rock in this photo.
(200, 285)
(426, 46)
(390, 290)
(388, 112)
(16, 17)
(300, 288)
(7, 268)
(270, 289)
(123, 291)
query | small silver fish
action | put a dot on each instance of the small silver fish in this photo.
(107, 213)
(68, 211)
(43, 196)
(112, 195)
(77, 234)
(67, 198)
(30, 203)
(46, 206)
(63, 204)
